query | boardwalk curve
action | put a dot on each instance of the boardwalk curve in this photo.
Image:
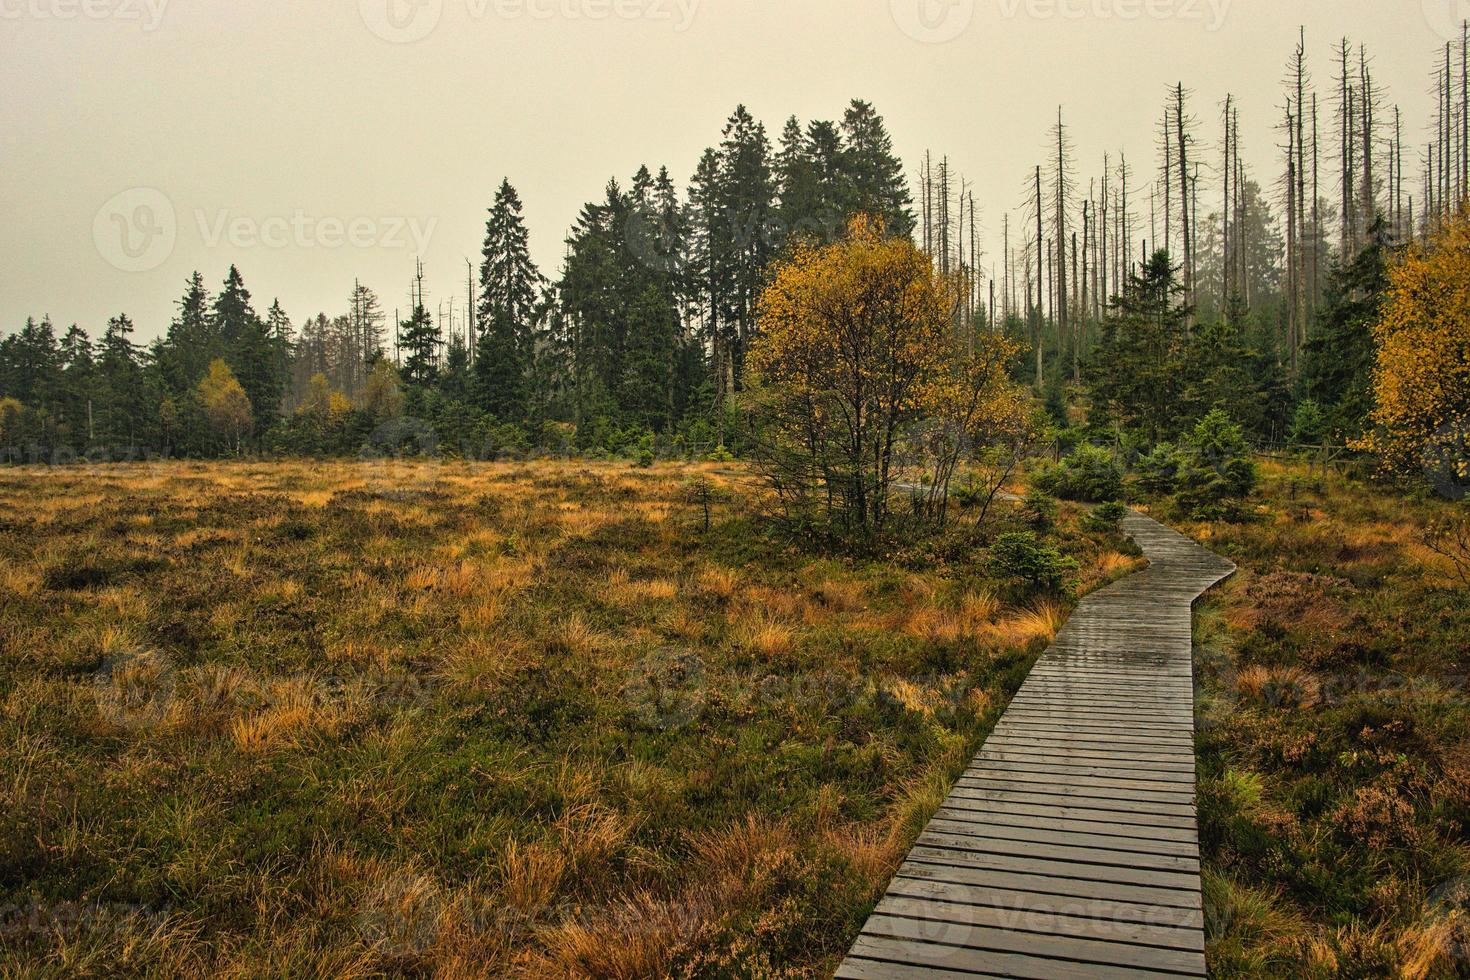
(1069, 847)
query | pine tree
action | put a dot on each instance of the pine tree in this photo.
(122, 402)
(1135, 375)
(509, 282)
(875, 174)
(742, 250)
(249, 350)
(420, 340)
(192, 340)
(1337, 362)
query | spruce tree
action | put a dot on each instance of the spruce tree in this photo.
(249, 350)
(419, 340)
(509, 282)
(1136, 376)
(874, 173)
(192, 340)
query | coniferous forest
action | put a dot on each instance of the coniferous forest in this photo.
(1164, 280)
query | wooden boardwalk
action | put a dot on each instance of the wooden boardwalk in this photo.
(1069, 847)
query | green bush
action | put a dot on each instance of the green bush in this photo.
(1107, 517)
(1217, 471)
(1158, 470)
(1039, 509)
(1019, 557)
(1090, 474)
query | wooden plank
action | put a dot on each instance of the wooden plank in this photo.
(962, 845)
(1089, 888)
(1056, 867)
(1097, 790)
(1061, 818)
(1058, 794)
(1066, 955)
(1069, 847)
(1044, 834)
(1178, 925)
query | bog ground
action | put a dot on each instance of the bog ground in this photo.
(352, 718)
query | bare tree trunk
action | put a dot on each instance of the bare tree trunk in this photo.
(1184, 195)
(1077, 320)
(1225, 174)
(1369, 203)
(1061, 233)
(1345, 110)
(1292, 252)
(1040, 281)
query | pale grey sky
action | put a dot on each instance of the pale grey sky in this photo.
(314, 142)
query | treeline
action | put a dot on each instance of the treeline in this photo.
(1192, 282)
(642, 337)
(1157, 293)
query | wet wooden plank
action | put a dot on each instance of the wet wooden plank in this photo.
(1069, 847)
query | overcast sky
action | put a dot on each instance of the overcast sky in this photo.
(318, 141)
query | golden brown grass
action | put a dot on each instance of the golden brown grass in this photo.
(402, 734)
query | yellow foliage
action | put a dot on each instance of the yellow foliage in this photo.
(225, 402)
(1422, 379)
(859, 340)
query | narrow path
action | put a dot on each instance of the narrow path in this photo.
(1069, 847)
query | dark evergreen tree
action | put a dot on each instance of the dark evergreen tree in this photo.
(192, 341)
(1337, 364)
(124, 404)
(249, 350)
(74, 394)
(742, 246)
(873, 172)
(509, 282)
(1135, 377)
(419, 340)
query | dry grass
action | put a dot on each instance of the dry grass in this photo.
(1334, 780)
(371, 721)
